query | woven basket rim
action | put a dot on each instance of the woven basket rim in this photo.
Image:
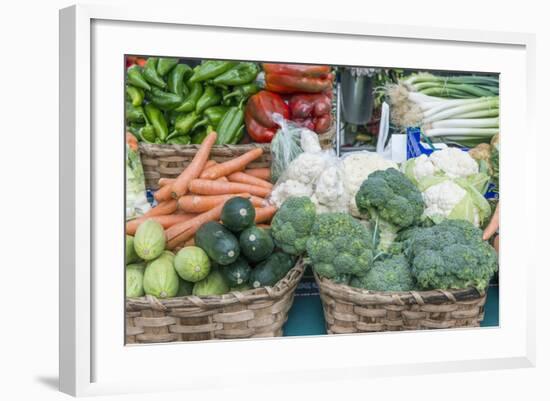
(279, 290)
(151, 148)
(343, 291)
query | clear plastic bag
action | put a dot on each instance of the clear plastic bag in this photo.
(290, 141)
(136, 198)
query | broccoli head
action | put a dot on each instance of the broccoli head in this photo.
(389, 274)
(451, 254)
(392, 196)
(340, 246)
(292, 224)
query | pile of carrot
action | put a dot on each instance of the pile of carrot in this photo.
(198, 194)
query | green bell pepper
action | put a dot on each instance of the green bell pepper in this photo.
(136, 95)
(184, 123)
(242, 73)
(191, 100)
(210, 69)
(165, 100)
(180, 140)
(164, 65)
(176, 79)
(135, 77)
(243, 91)
(134, 113)
(148, 133)
(150, 73)
(212, 116)
(231, 125)
(144, 133)
(156, 119)
(210, 97)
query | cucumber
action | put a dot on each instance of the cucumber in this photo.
(236, 273)
(270, 271)
(256, 244)
(218, 242)
(237, 214)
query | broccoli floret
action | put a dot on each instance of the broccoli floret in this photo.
(451, 254)
(292, 224)
(392, 201)
(339, 246)
(389, 274)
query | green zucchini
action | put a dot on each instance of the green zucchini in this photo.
(236, 273)
(270, 271)
(256, 244)
(218, 242)
(237, 214)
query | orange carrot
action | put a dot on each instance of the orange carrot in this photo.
(200, 204)
(222, 179)
(264, 214)
(249, 179)
(165, 207)
(166, 181)
(190, 242)
(164, 193)
(131, 141)
(492, 227)
(209, 164)
(257, 201)
(208, 187)
(166, 221)
(262, 173)
(193, 170)
(231, 166)
(181, 232)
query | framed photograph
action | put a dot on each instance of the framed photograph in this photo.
(276, 187)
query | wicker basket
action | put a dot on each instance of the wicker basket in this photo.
(353, 310)
(259, 312)
(168, 161)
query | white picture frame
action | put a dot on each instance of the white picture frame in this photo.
(93, 358)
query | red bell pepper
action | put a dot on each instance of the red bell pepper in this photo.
(301, 70)
(312, 111)
(294, 78)
(258, 115)
(292, 84)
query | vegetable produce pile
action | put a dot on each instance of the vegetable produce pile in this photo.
(234, 255)
(199, 193)
(457, 109)
(170, 102)
(359, 219)
(214, 217)
(416, 227)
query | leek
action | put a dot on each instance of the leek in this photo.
(462, 132)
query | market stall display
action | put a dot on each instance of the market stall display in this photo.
(248, 193)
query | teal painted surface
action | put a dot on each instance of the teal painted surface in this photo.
(305, 318)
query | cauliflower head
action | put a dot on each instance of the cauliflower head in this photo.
(287, 189)
(292, 224)
(340, 246)
(307, 167)
(454, 162)
(456, 199)
(357, 168)
(448, 162)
